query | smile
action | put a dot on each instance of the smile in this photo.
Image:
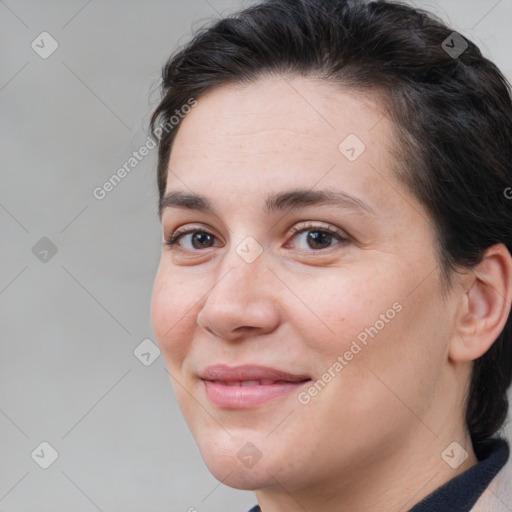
(248, 386)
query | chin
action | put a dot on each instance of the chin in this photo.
(237, 463)
(243, 479)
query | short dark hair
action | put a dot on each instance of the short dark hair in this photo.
(452, 116)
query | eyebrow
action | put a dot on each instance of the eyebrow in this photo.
(291, 199)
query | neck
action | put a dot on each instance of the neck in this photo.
(393, 483)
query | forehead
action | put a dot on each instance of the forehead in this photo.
(285, 132)
(303, 108)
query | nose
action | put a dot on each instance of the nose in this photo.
(242, 302)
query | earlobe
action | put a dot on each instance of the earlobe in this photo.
(485, 306)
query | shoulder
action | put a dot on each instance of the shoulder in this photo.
(498, 495)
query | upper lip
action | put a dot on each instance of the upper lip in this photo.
(225, 373)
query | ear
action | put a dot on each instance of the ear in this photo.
(484, 306)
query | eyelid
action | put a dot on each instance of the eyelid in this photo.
(187, 229)
(319, 226)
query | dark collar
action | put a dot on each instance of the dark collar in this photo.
(462, 492)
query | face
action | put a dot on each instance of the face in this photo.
(300, 330)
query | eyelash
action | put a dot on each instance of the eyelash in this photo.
(172, 241)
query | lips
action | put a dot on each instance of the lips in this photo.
(248, 385)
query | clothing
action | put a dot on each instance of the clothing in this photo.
(485, 487)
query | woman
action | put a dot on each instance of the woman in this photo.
(334, 290)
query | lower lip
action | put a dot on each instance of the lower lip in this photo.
(237, 397)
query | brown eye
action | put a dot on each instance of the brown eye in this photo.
(199, 240)
(317, 237)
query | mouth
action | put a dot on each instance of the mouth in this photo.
(248, 385)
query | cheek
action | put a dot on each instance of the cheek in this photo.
(392, 345)
(172, 317)
(339, 308)
(376, 330)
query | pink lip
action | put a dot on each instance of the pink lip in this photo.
(248, 385)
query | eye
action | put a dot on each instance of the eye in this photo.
(200, 239)
(317, 236)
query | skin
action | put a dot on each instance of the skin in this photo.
(372, 438)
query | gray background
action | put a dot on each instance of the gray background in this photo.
(70, 323)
